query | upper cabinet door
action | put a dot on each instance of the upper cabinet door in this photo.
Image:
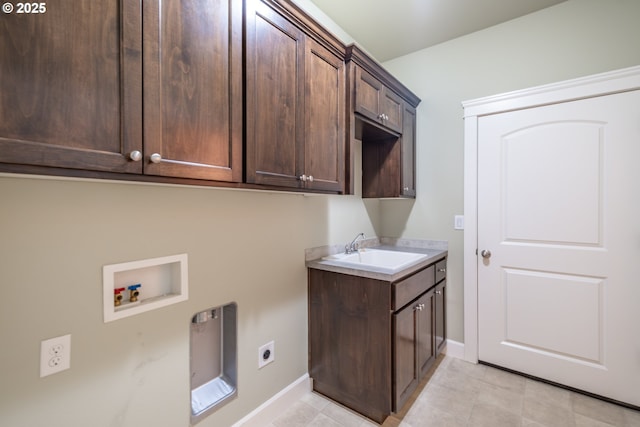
(391, 108)
(275, 50)
(324, 119)
(408, 153)
(70, 89)
(368, 95)
(193, 89)
(377, 102)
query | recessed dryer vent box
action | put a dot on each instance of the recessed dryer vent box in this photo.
(135, 287)
(214, 359)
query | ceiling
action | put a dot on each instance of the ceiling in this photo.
(391, 28)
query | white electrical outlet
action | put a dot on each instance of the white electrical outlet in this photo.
(55, 355)
(266, 354)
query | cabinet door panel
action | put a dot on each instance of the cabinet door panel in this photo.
(408, 153)
(349, 341)
(424, 341)
(324, 118)
(405, 372)
(368, 94)
(440, 317)
(193, 88)
(275, 97)
(391, 107)
(70, 92)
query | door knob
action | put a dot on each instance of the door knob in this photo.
(485, 253)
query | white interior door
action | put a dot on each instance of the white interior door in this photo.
(559, 212)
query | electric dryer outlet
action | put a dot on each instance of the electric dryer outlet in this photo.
(266, 354)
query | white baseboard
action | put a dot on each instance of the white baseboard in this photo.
(279, 403)
(286, 397)
(455, 349)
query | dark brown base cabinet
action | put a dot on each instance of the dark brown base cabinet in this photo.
(372, 341)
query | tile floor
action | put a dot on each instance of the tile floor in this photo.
(456, 393)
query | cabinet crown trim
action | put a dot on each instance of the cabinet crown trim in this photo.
(362, 59)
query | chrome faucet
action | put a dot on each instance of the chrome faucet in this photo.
(353, 247)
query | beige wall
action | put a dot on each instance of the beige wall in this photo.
(245, 246)
(573, 39)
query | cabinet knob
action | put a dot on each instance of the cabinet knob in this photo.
(383, 116)
(155, 158)
(135, 155)
(438, 292)
(310, 178)
(303, 178)
(405, 189)
(442, 270)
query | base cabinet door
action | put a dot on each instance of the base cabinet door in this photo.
(70, 86)
(425, 343)
(440, 310)
(440, 316)
(414, 347)
(405, 354)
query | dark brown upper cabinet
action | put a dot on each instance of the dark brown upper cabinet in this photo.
(382, 116)
(252, 94)
(192, 74)
(70, 86)
(295, 101)
(377, 102)
(104, 86)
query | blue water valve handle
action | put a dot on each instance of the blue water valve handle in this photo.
(134, 292)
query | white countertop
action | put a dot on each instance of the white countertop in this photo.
(435, 251)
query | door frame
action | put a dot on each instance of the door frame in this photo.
(623, 80)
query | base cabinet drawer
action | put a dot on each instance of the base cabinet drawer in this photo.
(410, 288)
